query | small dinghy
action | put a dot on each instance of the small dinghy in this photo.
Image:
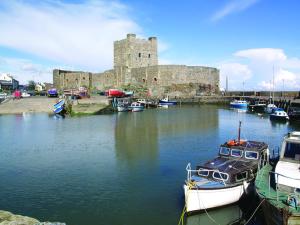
(59, 107)
(223, 180)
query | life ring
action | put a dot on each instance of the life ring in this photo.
(231, 143)
(235, 143)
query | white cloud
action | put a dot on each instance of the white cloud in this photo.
(233, 6)
(237, 74)
(263, 54)
(80, 35)
(24, 70)
(266, 62)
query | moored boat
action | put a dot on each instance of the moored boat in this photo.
(167, 101)
(258, 106)
(294, 114)
(223, 180)
(270, 108)
(239, 104)
(279, 114)
(278, 184)
(59, 107)
(136, 107)
(122, 107)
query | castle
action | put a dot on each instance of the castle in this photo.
(136, 64)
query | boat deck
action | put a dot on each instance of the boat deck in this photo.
(200, 182)
(279, 198)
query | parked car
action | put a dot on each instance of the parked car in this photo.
(25, 95)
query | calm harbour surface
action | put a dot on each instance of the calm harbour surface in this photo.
(118, 169)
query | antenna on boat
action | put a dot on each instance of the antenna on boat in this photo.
(239, 135)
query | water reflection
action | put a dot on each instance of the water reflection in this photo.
(227, 215)
(136, 136)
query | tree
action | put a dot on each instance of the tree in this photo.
(31, 85)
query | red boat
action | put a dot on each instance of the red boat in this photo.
(115, 93)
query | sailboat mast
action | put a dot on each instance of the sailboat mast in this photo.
(273, 85)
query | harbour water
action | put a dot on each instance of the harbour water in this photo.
(125, 168)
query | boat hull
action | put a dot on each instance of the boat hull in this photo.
(59, 109)
(202, 199)
(122, 108)
(167, 102)
(277, 216)
(279, 118)
(238, 106)
(137, 109)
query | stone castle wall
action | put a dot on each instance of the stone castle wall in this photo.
(135, 63)
(63, 79)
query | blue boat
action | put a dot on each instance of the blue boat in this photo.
(239, 104)
(59, 107)
(59, 104)
(166, 101)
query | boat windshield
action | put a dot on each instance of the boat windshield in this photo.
(251, 155)
(203, 172)
(241, 176)
(220, 176)
(224, 151)
(236, 153)
(292, 150)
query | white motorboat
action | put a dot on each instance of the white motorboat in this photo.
(136, 107)
(122, 107)
(270, 108)
(223, 180)
(279, 114)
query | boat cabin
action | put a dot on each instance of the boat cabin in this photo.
(287, 173)
(235, 163)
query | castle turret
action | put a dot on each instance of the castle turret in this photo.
(133, 52)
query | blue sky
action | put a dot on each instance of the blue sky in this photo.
(245, 39)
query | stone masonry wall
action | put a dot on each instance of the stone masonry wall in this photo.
(63, 79)
(133, 52)
(103, 81)
(180, 79)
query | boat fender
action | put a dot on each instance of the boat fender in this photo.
(245, 187)
(292, 201)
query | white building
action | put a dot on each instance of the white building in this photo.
(7, 82)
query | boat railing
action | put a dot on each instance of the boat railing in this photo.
(277, 175)
(190, 171)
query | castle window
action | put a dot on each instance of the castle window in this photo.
(140, 54)
(67, 80)
(144, 80)
(83, 78)
(155, 79)
(149, 56)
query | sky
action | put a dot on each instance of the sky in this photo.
(250, 41)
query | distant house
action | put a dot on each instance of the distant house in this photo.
(7, 82)
(39, 87)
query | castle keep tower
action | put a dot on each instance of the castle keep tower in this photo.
(135, 53)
